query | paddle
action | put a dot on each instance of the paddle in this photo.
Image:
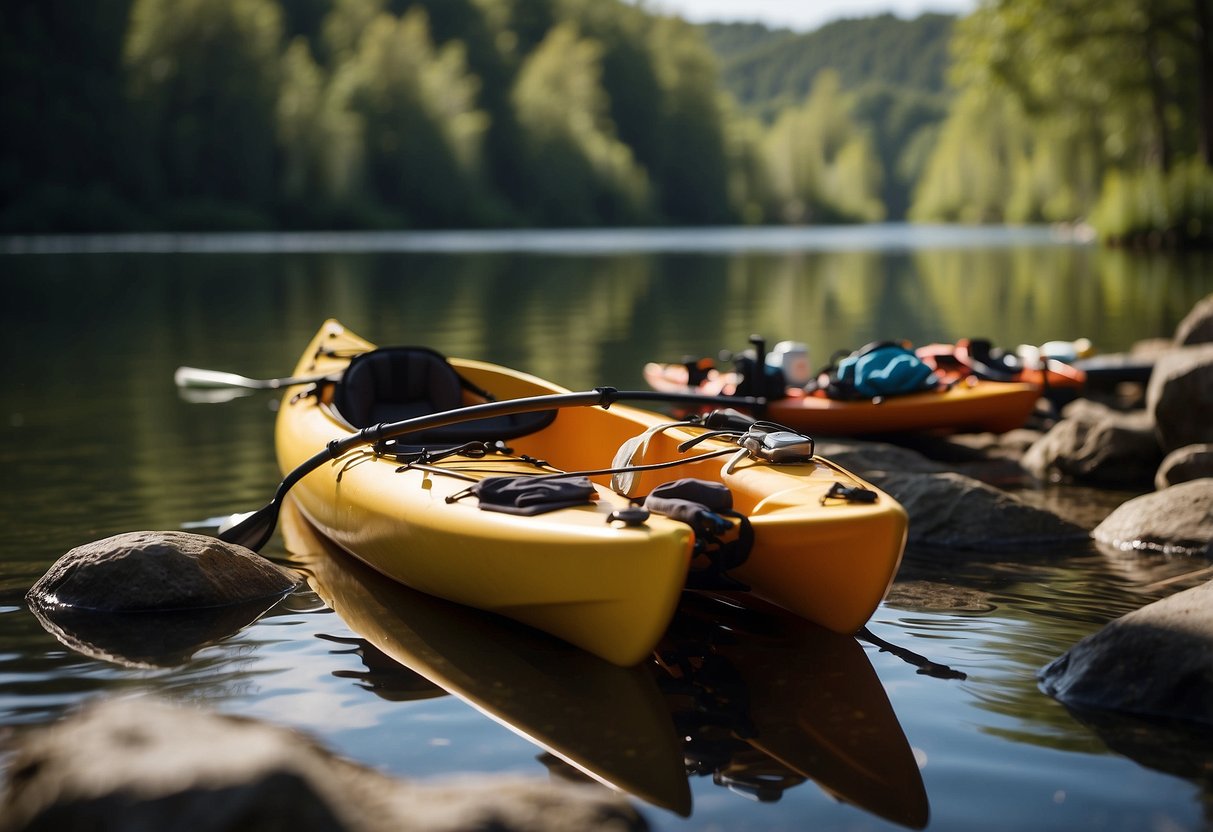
(255, 529)
(194, 377)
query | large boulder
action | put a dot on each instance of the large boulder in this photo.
(1176, 520)
(867, 458)
(1191, 462)
(1097, 445)
(142, 571)
(140, 764)
(952, 511)
(1197, 325)
(1179, 397)
(1155, 662)
(948, 509)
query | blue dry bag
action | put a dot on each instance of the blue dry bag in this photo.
(881, 369)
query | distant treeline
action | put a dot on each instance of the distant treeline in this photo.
(198, 114)
(263, 114)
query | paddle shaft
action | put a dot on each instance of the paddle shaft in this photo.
(255, 530)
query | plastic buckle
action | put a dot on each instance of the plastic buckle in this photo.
(631, 516)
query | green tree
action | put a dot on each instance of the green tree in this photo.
(971, 169)
(664, 102)
(342, 29)
(203, 80)
(421, 131)
(692, 168)
(901, 120)
(69, 157)
(1091, 85)
(577, 172)
(823, 168)
(320, 145)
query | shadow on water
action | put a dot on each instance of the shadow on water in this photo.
(757, 700)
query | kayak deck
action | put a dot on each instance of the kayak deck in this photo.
(609, 587)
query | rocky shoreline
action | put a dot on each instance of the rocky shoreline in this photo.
(1155, 441)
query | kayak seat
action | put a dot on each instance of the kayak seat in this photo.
(396, 383)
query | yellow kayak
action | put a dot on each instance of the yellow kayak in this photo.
(574, 554)
(609, 723)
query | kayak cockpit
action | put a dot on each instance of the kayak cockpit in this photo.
(392, 384)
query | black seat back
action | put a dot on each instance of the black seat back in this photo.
(392, 384)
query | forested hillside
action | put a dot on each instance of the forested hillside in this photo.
(275, 114)
(893, 72)
(197, 114)
(769, 69)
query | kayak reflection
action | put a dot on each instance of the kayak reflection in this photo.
(608, 722)
(757, 698)
(767, 701)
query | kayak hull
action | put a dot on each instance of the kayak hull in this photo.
(606, 587)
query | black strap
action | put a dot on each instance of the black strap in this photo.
(707, 507)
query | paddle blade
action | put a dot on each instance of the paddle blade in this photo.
(212, 395)
(197, 377)
(252, 530)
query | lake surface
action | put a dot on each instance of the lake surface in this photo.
(98, 441)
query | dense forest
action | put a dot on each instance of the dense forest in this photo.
(894, 72)
(272, 114)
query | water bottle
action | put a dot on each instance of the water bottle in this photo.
(792, 357)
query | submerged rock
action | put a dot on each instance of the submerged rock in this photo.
(1155, 662)
(147, 570)
(1176, 520)
(147, 639)
(143, 764)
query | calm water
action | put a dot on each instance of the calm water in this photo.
(98, 441)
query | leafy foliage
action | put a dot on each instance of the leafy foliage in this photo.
(894, 70)
(1097, 109)
(823, 165)
(202, 77)
(197, 114)
(769, 69)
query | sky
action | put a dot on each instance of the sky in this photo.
(801, 15)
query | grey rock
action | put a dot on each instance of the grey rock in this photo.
(1191, 462)
(1179, 397)
(953, 511)
(948, 509)
(869, 458)
(1176, 520)
(1097, 445)
(1156, 662)
(140, 571)
(141, 764)
(1197, 325)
